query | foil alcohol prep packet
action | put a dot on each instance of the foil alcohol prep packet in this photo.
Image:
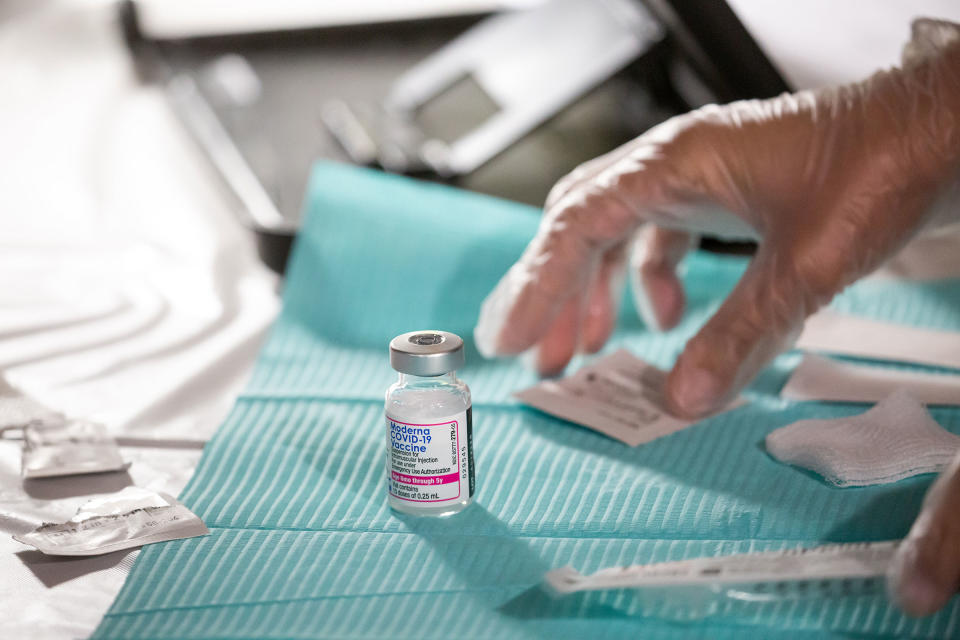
(130, 518)
(69, 448)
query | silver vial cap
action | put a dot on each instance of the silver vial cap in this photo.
(427, 353)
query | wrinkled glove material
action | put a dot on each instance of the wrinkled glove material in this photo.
(832, 182)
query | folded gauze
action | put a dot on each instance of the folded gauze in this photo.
(894, 440)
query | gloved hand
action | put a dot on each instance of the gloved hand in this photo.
(925, 571)
(831, 182)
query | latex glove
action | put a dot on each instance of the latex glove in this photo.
(832, 182)
(925, 571)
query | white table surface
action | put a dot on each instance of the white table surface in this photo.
(129, 294)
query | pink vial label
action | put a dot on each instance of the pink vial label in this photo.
(424, 460)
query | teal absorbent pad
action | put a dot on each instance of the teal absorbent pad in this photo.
(292, 486)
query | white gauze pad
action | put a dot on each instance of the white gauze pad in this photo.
(894, 440)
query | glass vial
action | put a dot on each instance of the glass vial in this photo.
(429, 426)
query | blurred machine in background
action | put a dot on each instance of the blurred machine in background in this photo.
(503, 104)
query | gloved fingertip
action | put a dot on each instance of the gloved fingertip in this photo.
(555, 351)
(550, 370)
(644, 306)
(510, 317)
(591, 347)
(483, 343)
(693, 391)
(545, 363)
(918, 596)
(666, 293)
(911, 585)
(659, 298)
(597, 326)
(490, 324)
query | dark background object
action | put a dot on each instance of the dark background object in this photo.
(252, 101)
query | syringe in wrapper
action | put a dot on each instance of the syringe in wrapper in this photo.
(835, 570)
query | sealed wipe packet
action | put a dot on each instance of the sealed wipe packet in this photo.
(130, 518)
(54, 445)
(70, 448)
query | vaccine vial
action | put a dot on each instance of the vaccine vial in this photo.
(429, 426)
